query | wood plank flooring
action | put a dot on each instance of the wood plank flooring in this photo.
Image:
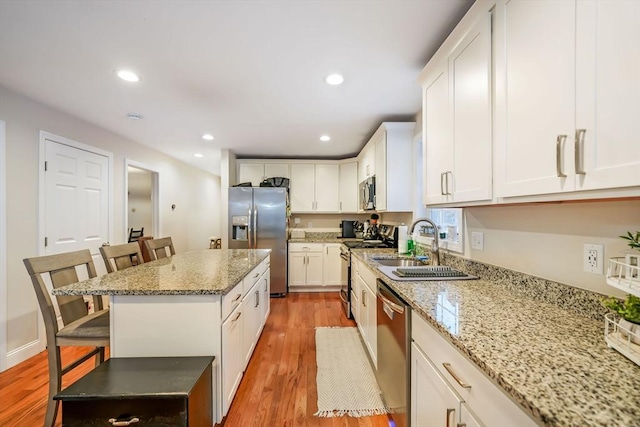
(278, 388)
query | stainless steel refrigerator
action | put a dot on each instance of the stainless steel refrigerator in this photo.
(258, 220)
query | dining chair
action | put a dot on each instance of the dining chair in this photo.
(134, 235)
(119, 257)
(158, 247)
(79, 327)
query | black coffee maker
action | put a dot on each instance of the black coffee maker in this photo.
(348, 229)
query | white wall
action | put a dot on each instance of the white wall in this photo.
(196, 194)
(546, 240)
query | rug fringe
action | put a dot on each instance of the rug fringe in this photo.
(351, 413)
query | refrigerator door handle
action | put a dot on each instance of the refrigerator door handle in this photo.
(255, 227)
(249, 228)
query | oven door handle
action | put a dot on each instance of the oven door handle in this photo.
(344, 300)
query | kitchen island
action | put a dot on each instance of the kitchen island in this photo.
(551, 360)
(199, 303)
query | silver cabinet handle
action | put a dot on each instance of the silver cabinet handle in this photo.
(340, 205)
(442, 193)
(579, 151)
(364, 299)
(119, 423)
(237, 316)
(446, 176)
(237, 297)
(256, 275)
(462, 424)
(447, 366)
(257, 299)
(559, 145)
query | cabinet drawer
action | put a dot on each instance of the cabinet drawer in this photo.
(305, 247)
(368, 277)
(251, 278)
(233, 299)
(490, 403)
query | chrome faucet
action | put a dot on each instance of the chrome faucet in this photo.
(435, 247)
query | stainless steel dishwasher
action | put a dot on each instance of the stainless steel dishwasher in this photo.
(394, 341)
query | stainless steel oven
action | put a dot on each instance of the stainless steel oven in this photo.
(345, 282)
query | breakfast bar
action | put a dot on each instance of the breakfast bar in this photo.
(198, 303)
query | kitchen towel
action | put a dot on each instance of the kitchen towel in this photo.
(345, 380)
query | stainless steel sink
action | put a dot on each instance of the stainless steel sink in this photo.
(400, 262)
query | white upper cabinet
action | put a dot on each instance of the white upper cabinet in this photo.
(568, 99)
(314, 187)
(348, 188)
(257, 172)
(457, 119)
(366, 160)
(608, 94)
(392, 146)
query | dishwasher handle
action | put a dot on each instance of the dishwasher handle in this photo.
(392, 305)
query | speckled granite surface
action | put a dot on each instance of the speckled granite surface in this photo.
(550, 359)
(203, 272)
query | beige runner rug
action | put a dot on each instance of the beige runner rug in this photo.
(346, 382)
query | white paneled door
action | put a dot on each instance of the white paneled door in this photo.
(76, 211)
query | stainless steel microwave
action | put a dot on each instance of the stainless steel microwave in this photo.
(368, 194)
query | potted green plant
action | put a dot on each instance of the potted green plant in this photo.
(629, 312)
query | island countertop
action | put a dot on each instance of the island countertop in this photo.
(202, 272)
(554, 362)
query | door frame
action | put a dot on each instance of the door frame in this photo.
(3, 248)
(155, 195)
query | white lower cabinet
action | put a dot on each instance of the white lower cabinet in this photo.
(251, 324)
(305, 264)
(444, 384)
(332, 265)
(314, 266)
(433, 402)
(265, 306)
(367, 315)
(232, 348)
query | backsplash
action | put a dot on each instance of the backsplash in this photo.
(579, 301)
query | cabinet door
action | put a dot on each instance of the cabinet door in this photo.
(437, 156)
(250, 323)
(297, 268)
(251, 172)
(276, 169)
(371, 325)
(538, 105)
(433, 402)
(348, 191)
(470, 85)
(467, 418)
(381, 172)
(608, 94)
(332, 265)
(231, 357)
(314, 268)
(265, 301)
(302, 184)
(327, 183)
(362, 313)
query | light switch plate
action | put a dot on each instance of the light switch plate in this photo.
(477, 240)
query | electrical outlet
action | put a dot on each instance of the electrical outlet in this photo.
(477, 241)
(296, 220)
(593, 258)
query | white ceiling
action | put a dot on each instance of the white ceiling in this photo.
(249, 72)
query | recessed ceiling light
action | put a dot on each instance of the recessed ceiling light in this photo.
(134, 116)
(207, 136)
(198, 155)
(128, 76)
(325, 138)
(334, 79)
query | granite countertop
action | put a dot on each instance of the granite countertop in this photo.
(202, 272)
(552, 361)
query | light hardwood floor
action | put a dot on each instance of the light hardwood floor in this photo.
(278, 388)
